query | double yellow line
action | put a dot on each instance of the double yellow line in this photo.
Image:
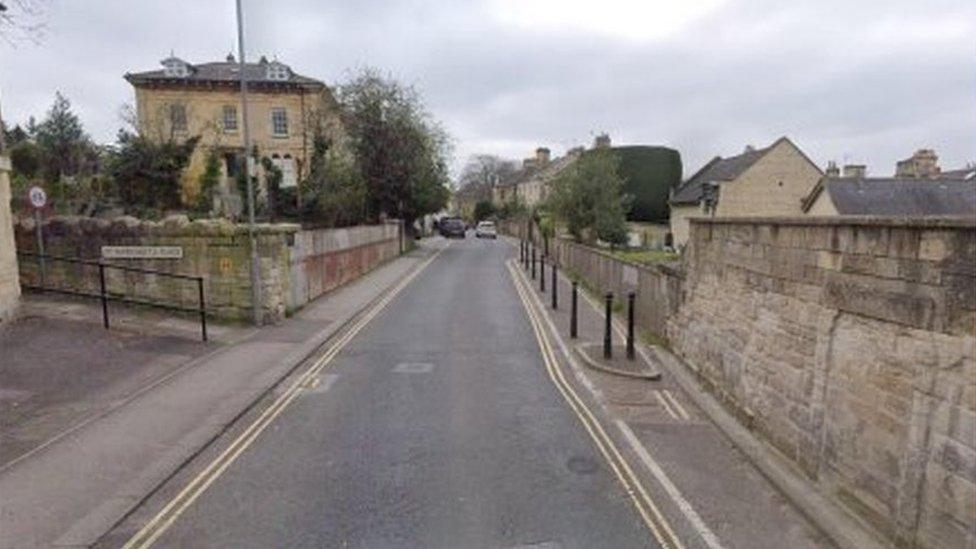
(648, 511)
(168, 515)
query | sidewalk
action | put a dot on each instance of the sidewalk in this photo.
(727, 502)
(74, 490)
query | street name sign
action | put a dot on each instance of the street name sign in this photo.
(142, 252)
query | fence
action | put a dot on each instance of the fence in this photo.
(98, 287)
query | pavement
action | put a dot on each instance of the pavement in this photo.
(148, 404)
(61, 368)
(454, 414)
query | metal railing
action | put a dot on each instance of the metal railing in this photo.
(44, 260)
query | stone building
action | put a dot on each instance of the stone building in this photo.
(759, 182)
(285, 112)
(530, 185)
(892, 196)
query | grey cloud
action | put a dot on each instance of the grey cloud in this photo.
(870, 80)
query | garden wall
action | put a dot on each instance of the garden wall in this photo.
(296, 265)
(848, 345)
(9, 285)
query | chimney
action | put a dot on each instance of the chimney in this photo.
(855, 170)
(263, 60)
(601, 141)
(230, 58)
(542, 157)
(832, 169)
(748, 149)
(923, 164)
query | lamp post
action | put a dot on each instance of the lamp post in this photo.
(252, 237)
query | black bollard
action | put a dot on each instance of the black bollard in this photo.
(542, 274)
(533, 262)
(522, 252)
(630, 325)
(607, 353)
(572, 314)
(555, 287)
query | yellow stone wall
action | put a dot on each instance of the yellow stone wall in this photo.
(823, 206)
(773, 186)
(9, 277)
(204, 112)
(680, 226)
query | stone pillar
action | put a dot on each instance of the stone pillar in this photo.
(9, 277)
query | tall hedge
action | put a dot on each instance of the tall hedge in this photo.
(649, 173)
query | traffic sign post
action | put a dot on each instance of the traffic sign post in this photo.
(38, 199)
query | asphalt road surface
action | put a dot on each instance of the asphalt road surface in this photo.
(436, 426)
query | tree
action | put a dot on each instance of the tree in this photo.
(483, 209)
(209, 180)
(147, 173)
(481, 173)
(588, 197)
(336, 193)
(62, 141)
(400, 152)
(22, 20)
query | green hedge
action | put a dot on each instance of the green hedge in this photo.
(649, 173)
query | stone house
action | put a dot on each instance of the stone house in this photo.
(919, 188)
(530, 185)
(285, 112)
(769, 182)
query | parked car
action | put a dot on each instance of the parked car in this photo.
(452, 227)
(486, 229)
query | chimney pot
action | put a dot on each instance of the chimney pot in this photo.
(601, 141)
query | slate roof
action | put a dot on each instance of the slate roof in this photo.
(898, 196)
(717, 169)
(223, 72)
(529, 173)
(961, 173)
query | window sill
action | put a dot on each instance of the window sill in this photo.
(280, 136)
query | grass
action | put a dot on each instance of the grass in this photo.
(644, 257)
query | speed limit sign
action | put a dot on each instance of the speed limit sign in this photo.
(37, 197)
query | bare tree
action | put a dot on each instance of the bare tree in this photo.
(22, 20)
(481, 173)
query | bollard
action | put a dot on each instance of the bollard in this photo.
(521, 251)
(630, 325)
(104, 294)
(572, 314)
(542, 274)
(607, 353)
(555, 287)
(533, 262)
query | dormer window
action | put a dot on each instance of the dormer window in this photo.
(278, 71)
(176, 67)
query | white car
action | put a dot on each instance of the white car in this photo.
(485, 229)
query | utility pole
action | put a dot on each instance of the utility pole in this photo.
(255, 259)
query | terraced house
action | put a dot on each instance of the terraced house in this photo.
(285, 110)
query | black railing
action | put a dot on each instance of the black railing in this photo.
(45, 261)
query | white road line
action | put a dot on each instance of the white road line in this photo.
(681, 409)
(665, 405)
(696, 521)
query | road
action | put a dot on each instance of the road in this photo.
(435, 426)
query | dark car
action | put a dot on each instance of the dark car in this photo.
(453, 227)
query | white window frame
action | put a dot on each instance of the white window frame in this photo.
(224, 118)
(275, 112)
(175, 108)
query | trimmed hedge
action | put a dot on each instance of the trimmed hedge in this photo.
(649, 174)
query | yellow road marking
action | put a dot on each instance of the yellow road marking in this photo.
(649, 512)
(665, 404)
(149, 533)
(677, 405)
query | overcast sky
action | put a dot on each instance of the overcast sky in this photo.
(857, 81)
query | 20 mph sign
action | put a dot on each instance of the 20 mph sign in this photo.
(37, 197)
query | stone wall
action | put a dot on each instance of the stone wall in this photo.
(657, 287)
(324, 259)
(848, 345)
(217, 250)
(9, 282)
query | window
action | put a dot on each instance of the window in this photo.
(277, 71)
(177, 117)
(279, 122)
(230, 118)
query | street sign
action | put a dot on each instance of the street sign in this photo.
(37, 197)
(142, 252)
